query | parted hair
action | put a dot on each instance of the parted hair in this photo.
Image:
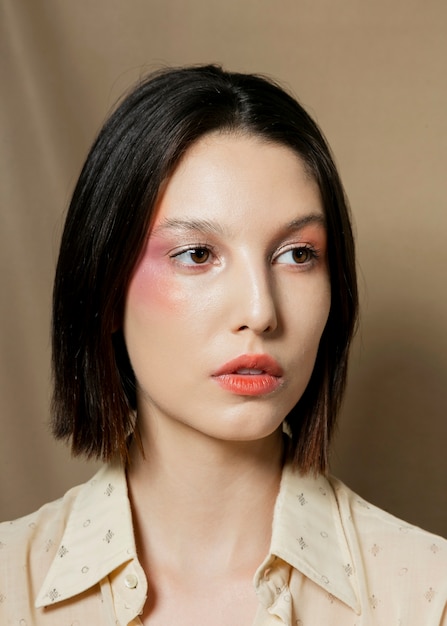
(94, 397)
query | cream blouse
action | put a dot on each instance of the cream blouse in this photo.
(334, 560)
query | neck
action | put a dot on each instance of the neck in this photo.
(210, 501)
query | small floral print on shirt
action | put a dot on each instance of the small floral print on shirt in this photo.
(302, 543)
(349, 569)
(62, 551)
(430, 594)
(48, 545)
(53, 594)
(109, 489)
(375, 550)
(301, 499)
(374, 602)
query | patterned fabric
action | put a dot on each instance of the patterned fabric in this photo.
(334, 560)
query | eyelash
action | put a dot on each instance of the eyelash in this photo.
(312, 253)
(195, 248)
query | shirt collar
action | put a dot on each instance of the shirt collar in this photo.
(308, 534)
(98, 537)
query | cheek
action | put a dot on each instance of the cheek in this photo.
(153, 308)
(151, 289)
(308, 315)
(158, 291)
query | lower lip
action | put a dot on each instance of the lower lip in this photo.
(249, 384)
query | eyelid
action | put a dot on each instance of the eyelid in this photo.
(314, 253)
(175, 254)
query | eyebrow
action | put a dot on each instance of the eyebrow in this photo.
(189, 224)
(301, 222)
(209, 227)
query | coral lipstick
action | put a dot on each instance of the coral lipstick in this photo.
(250, 375)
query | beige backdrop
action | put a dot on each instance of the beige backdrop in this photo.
(374, 75)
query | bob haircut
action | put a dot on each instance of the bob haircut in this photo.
(109, 216)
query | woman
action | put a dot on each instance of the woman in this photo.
(204, 303)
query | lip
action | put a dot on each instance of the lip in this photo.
(264, 378)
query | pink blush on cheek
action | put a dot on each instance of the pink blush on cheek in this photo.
(153, 282)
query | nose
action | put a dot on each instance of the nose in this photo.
(254, 306)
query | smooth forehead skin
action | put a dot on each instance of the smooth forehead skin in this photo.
(214, 174)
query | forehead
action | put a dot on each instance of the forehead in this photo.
(236, 177)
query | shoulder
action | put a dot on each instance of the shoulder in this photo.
(369, 522)
(27, 547)
(412, 561)
(38, 535)
(48, 521)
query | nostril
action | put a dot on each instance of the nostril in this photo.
(267, 329)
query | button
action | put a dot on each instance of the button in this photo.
(131, 581)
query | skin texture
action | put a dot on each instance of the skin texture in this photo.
(190, 311)
(234, 267)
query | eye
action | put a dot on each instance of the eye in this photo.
(296, 256)
(194, 256)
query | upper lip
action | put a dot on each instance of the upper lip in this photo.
(263, 362)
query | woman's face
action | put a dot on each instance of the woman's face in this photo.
(226, 307)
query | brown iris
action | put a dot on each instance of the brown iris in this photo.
(301, 255)
(200, 255)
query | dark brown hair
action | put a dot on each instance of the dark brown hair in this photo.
(107, 222)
